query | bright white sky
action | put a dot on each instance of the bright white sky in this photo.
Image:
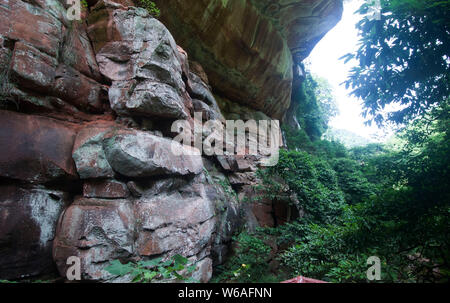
(324, 62)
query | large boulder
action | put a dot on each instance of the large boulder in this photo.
(96, 231)
(88, 152)
(139, 55)
(140, 154)
(28, 220)
(36, 149)
(177, 217)
(34, 69)
(79, 90)
(171, 222)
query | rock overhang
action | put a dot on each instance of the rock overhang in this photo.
(248, 48)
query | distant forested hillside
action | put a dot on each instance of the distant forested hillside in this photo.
(347, 138)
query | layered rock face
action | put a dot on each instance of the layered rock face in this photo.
(248, 48)
(87, 164)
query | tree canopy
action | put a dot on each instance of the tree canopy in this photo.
(403, 59)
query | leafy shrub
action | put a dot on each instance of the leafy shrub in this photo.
(312, 180)
(156, 269)
(249, 262)
(352, 181)
(315, 105)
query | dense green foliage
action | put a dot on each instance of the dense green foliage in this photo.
(403, 58)
(314, 182)
(316, 105)
(176, 268)
(393, 203)
(150, 6)
(249, 263)
(388, 200)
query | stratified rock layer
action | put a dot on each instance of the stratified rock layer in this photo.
(35, 149)
(247, 46)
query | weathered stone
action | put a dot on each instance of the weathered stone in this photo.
(236, 163)
(35, 149)
(263, 213)
(37, 54)
(34, 69)
(203, 271)
(258, 209)
(108, 189)
(184, 61)
(135, 189)
(207, 112)
(160, 186)
(174, 209)
(139, 154)
(246, 47)
(6, 48)
(240, 179)
(197, 69)
(78, 52)
(79, 90)
(18, 17)
(175, 222)
(228, 211)
(181, 221)
(140, 56)
(146, 98)
(88, 153)
(96, 231)
(198, 89)
(27, 228)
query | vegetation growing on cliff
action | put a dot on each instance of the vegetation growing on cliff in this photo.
(150, 6)
(316, 105)
(386, 200)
